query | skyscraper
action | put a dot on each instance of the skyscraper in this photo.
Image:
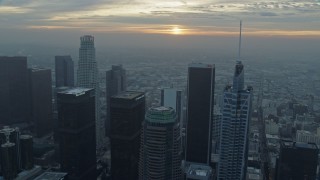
(200, 102)
(13, 90)
(10, 137)
(41, 100)
(171, 97)
(115, 83)
(160, 153)
(76, 116)
(127, 113)
(64, 71)
(87, 77)
(236, 115)
(297, 161)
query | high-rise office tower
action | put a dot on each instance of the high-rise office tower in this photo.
(8, 161)
(41, 100)
(13, 90)
(127, 114)
(216, 129)
(87, 77)
(236, 115)
(200, 101)
(297, 161)
(160, 156)
(76, 116)
(26, 152)
(64, 71)
(171, 97)
(11, 136)
(115, 83)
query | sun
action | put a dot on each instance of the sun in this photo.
(176, 30)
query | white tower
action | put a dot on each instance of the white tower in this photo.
(87, 77)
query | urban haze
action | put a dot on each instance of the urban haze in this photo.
(159, 90)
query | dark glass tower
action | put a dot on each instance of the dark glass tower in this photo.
(297, 161)
(26, 152)
(11, 137)
(76, 126)
(13, 90)
(127, 113)
(8, 161)
(115, 83)
(160, 153)
(41, 101)
(199, 112)
(64, 71)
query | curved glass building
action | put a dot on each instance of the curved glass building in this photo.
(160, 153)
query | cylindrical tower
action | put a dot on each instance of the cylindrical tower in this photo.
(160, 155)
(26, 152)
(8, 161)
(12, 135)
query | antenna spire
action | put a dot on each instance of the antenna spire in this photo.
(239, 55)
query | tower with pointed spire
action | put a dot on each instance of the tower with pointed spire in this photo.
(236, 114)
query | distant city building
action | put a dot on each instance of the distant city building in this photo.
(171, 97)
(299, 109)
(297, 161)
(64, 71)
(127, 114)
(216, 123)
(307, 137)
(271, 127)
(236, 115)
(116, 82)
(87, 77)
(13, 90)
(200, 102)
(41, 100)
(76, 116)
(160, 153)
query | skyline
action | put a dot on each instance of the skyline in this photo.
(172, 17)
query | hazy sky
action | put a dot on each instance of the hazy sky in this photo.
(184, 17)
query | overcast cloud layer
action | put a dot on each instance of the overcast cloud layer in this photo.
(196, 17)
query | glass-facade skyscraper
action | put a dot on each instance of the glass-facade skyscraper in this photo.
(160, 153)
(76, 127)
(200, 101)
(116, 82)
(14, 107)
(236, 115)
(87, 77)
(127, 114)
(64, 71)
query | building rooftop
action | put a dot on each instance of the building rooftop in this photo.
(130, 95)
(291, 144)
(51, 176)
(78, 91)
(199, 171)
(201, 65)
(161, 115)
(36, 69)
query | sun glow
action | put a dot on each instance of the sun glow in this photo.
(176, 30)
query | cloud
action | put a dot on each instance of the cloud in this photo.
(267, 14)
(192, 14)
